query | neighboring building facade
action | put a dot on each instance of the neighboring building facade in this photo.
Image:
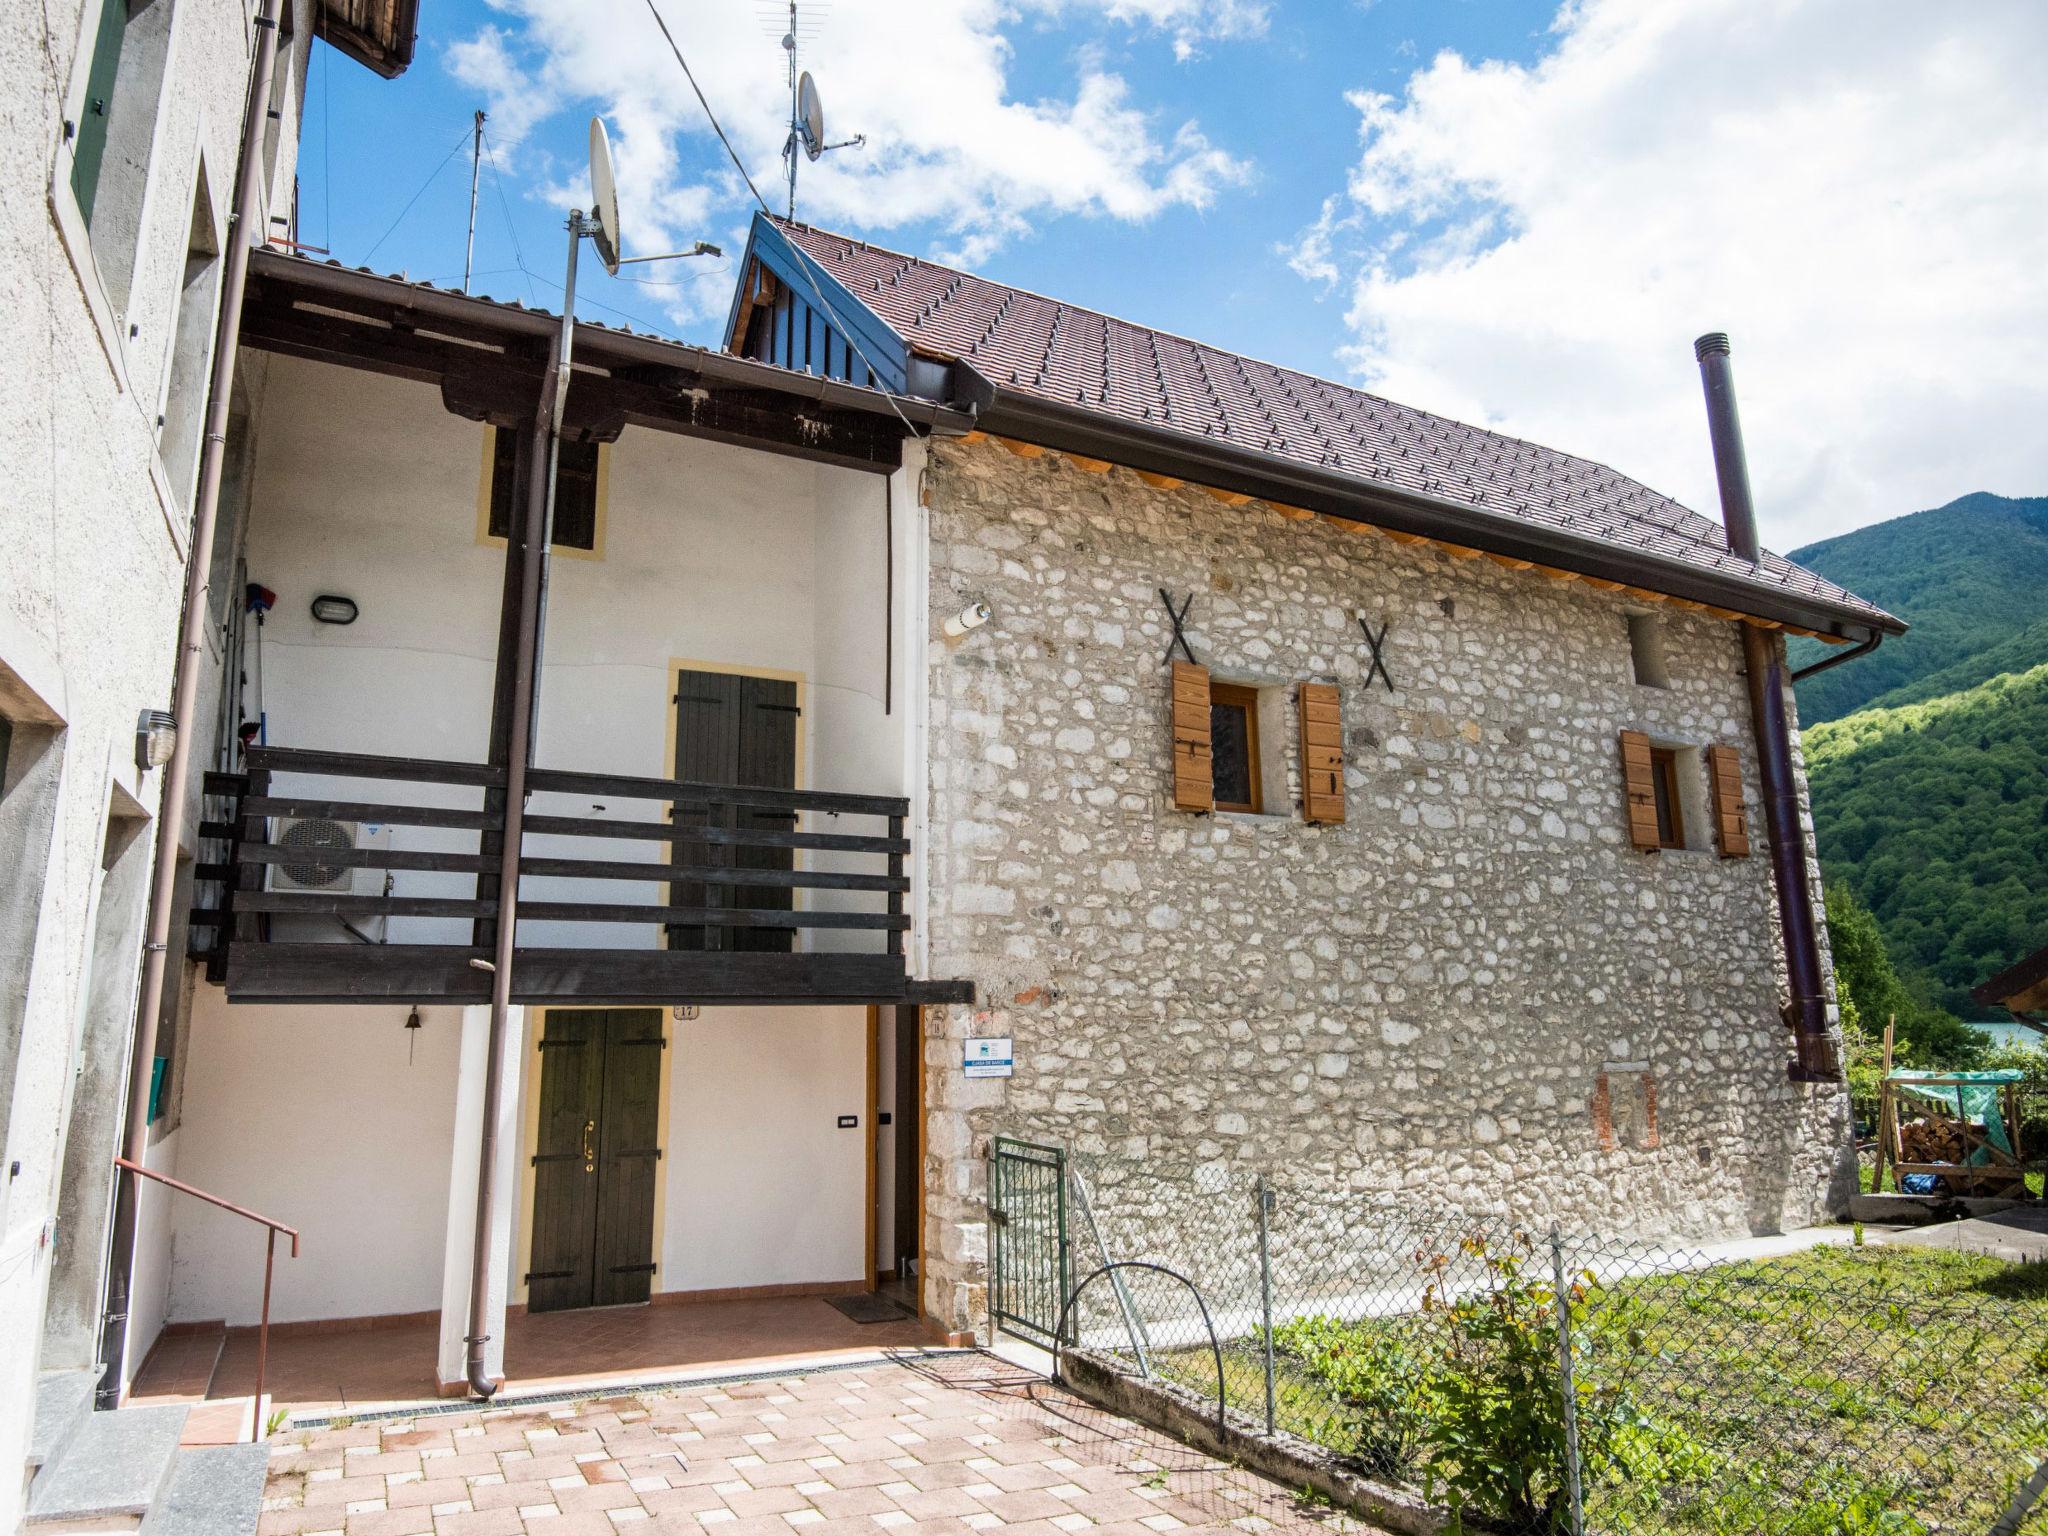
(120, 153)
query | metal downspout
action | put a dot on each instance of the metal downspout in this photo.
(1861, 648)
(1763, 661)
(227, 336)
(540, 509)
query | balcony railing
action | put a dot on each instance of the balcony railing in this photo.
(330, 876)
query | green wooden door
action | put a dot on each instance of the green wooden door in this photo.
(734, 730)
(594, 1158)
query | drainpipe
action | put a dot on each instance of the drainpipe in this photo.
(540, 517)
(227, 337)
(1764, 661)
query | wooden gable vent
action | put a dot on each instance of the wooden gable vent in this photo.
(1322, 752)
(1731, 820)
(1194, 782)
(1638, 775)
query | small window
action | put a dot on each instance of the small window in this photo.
(1664, 786)
(577, 484)
(1646, 650)
(1234, 746)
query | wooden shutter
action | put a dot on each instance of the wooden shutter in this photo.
(1322, 752)
(1194, 786)
(1724, 785)
(1639, 781)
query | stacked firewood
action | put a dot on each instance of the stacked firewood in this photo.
(1940, 1139)
(1937, 1140)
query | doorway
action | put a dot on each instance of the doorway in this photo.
(734, 729)
(597, 1153)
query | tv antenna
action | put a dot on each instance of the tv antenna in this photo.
(806, 115)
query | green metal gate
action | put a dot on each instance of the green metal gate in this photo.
(1027, 1210)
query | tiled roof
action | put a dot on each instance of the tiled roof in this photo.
(1024, 342)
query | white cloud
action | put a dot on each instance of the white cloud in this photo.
(1190, 22)
(948, 143)
(1856, 190)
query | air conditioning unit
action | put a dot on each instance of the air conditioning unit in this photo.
(310, 840)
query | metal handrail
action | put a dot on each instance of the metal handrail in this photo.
(269, 1260)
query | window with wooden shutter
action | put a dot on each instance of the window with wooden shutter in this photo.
(1322, 752)
(1724, 785)
(1639, 781)
(1194, 787)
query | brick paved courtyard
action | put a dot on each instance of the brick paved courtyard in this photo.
(927, 1442)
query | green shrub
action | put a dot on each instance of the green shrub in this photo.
(1378, 1379)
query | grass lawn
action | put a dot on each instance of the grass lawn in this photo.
(1844, 1389)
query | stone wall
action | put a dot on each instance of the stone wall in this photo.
(1474, 989)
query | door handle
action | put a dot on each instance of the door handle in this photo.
(589, 1153)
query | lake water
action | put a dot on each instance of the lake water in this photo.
(2012, 1034)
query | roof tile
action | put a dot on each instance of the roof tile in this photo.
(1074, 356)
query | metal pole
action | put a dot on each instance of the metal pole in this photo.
(170, 818)
(540, 518)
(1563, 1303)
(1134, 1325)
(795, 147)
(1266, 1293)
(2024, 1498)
(263, 1339)
(476, 161)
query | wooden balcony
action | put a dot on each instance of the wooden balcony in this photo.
(330, 877)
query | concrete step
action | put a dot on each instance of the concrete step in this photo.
(111, 1470)
(215, 1490)
(63, 1400)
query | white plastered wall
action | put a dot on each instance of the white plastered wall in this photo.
(764, 1186)
(712, 555)
(335, 1120)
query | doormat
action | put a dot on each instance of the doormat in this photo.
(870, 1307)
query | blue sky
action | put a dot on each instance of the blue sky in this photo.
(1510, 212)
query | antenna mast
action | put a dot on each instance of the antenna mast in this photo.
(789, 146)
(806, 114)
(476, 160)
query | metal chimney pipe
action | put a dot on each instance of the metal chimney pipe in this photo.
(1763, 657)
(1731, 465)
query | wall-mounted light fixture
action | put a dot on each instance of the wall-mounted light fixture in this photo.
(331, 609)
(156, 737)
(973, 616)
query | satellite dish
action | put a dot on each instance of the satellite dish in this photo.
(810, 116)
(605, 195)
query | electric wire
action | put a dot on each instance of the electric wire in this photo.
(414, 199)
(804, 258)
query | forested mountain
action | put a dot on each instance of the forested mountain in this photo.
(1968, 577)
(1929, 758)
(1936, 814)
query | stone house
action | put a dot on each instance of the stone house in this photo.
(1460, 883)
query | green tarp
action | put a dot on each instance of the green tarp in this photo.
(1971, 1096)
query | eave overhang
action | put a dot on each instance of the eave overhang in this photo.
(380, 35)
(488, 359)
(1268, 477)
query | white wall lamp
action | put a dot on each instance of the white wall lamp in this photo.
(329, 608)
(973, 616)
(156, 737)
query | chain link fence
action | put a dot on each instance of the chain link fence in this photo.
(1536, 1381)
